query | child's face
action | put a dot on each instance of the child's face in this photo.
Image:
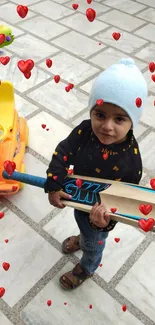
(110, 123)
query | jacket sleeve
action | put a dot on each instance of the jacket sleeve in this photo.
(61, 159)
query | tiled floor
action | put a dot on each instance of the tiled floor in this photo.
(52, 29)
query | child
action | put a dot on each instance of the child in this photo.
(103, 146)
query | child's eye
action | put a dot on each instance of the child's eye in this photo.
(120, 119)
(101, 115)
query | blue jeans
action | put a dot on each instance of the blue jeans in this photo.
(89, 238)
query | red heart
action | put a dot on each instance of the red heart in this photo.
(47, 129)
(6, 266)
(113, 210)
(65, 158)
(105, 156)
(146, 225)
(116, 36)
(100, 242)
(6, 240)
(25, 66)
(43, 126)
(117, 240)
(27, 75)
(57, 78)
(49, 302)
(138, 102)
(2, 38)
(22, 11)
(145, 208)
(1, 215)
(99, 102)
(4, 60)
(75, 6)
(90, 306)
(152, 67)
(65, 303)
(14, 188)
(90, 14)
(2, 291)
(124, 308)
(55, 177)
(9, 166)
(67, 88)
(89, 1)
(153, 77)
(71, 86)
(79, 183)
(100, 264)
(70, 171)
(152, 183)
(49, 63)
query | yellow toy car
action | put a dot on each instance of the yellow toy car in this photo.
(13, 137)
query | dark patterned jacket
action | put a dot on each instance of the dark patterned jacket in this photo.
(83, 150)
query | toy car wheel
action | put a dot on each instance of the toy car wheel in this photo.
(27, 136)
(23, 170)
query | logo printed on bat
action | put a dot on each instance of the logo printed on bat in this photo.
(88, 194)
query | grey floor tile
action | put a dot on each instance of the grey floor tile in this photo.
(12, 73)
(148, 14)
(70, 68)
(9, 13)
(148, 116)
(26, 252)
(137, 285)
(148, 156)
(121, 20)
(4, 320)
(51, 9)
(127, 42)
(23, 106)
(139, 130)
(87, 86)
(54, 97)
(116, 254)
(25, 48)
(147, 32)
(38, 207)
(25, 2)
(61, 1)
(147, 2)
(43, 27)
(150, 83)
(83, 6)
(77, 309)
(147, 53)
(77, 44)
(82, 117)
(130, 7)
(81, 24)
(66, 218)
(42, 141)
(111, 56)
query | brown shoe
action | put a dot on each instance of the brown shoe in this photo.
(71, 244)
(73, 279)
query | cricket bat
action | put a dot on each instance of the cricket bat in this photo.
(125, 197)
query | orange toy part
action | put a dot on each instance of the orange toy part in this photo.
(13, 137)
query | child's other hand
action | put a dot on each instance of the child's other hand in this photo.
(99, 216)
(55, 198)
